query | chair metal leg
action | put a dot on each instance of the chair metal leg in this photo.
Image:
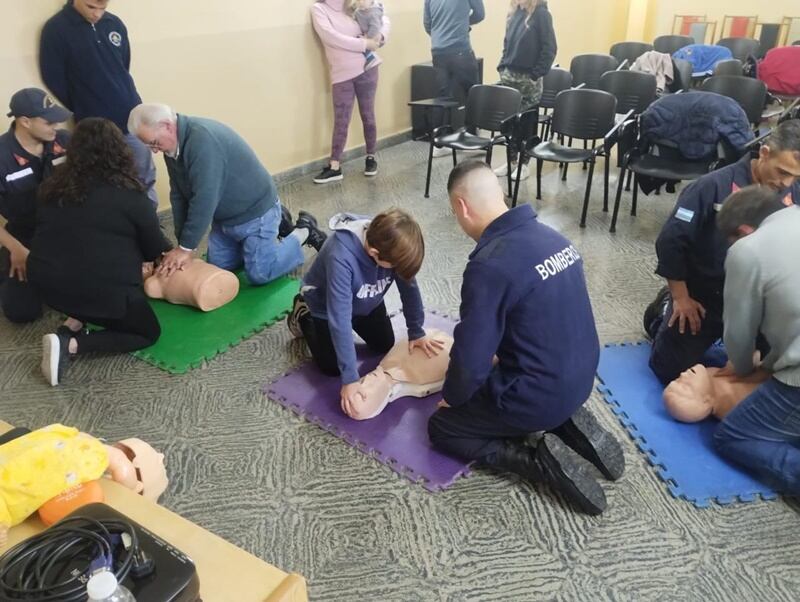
(605, 183)
(628, 183)
(455, 158)
(564, 172)
(428, 177)
(617, 200)
(508, 171)
(588, 193)
(489, 154)
(635, 200)
(585, 147)
(516, 184)
(539, 165)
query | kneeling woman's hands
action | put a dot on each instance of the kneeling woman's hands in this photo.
(352, 396)
(429, 345)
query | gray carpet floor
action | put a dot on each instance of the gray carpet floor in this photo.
(292, 494)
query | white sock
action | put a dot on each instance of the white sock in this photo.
(301, 234)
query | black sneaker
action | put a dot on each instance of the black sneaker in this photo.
(299, 309)
(287, 223)
(570, 475)
(329, 175)
(371, 167)
(584, 434)
(316, 237)
(654, 313)
(55, 357)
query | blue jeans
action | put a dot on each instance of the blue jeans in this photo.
(763, 435)
(145, 168)
(255, 244)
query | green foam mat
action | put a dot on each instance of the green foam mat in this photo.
(190, 336)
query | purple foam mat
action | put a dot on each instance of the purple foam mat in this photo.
(398, 437)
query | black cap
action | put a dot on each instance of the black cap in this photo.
(33, 102)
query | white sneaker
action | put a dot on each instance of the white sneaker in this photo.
(502, 171)
(523, 175)
(442, 152)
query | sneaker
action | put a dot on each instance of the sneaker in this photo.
(287, 223)
(329, 175)
(524, 173)
(299, 309)
(584, 434)
(569, 474)
(371, 167)
(55, 357)
(316, 237)
(654, 313)
(502, 171)
(442, 152)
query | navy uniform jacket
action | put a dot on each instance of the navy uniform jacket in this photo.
(524, 299)
(20, 176)
(87, 66)
(690, 247)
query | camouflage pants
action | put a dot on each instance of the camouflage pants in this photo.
(531, 89)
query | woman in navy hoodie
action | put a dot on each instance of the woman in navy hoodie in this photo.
(344, 289)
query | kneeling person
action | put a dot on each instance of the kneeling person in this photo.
(217, 182)
(525, 352)
(344, 290)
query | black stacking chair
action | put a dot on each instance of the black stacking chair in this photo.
(521, 134)
(741, 47)
(584, 115)
(587, 69)
(629, 51)
(729, 67)
(658, 159)
(751, 94)
(557, 80)
(671, 44)
(796, 43)
(633, 90)
(682, 71)
(487, 107)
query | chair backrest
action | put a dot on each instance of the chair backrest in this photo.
(751, 94)
(554, 82)
(587, 68)
(682, 72)
(584, 114)
(729, 67)
(489, 105)
(796, 43)
(671, 44)
(741, 47)
(629, 51)
(634, 90)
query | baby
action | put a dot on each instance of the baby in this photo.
(369, 16)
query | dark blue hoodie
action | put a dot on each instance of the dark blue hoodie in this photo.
(344, 282)
(87, 66)
(524, 299)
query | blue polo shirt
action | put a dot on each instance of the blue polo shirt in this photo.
(87, 67)
(524, 299)
(20, 176)
(690, 247)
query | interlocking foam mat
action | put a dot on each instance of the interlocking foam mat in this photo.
(398, 437)
(682, 454)
(190, 336)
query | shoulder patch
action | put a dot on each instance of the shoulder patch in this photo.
(685, 215)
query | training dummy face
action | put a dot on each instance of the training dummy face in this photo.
(148, 477)
(690, 397)
(403, 374)
(199, 285)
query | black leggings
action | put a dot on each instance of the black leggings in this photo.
(375, 328)
(137, 329)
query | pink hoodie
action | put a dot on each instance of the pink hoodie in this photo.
(342, 38)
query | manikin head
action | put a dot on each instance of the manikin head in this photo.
(156, 125)
(476, 197)
(151, 476)
(394, 241)
(690, 397)
(744, 211)
(91, 10)
(778, 163)
(36, 115)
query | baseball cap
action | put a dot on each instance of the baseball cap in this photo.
(33, 102)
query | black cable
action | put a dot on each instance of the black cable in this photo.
(54, 565)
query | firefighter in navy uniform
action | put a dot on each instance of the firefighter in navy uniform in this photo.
(29, 151)
(686, 317)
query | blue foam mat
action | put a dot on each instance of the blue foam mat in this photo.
(682, 454)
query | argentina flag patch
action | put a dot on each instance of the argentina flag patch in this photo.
(685, 215)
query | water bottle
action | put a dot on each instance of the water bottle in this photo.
(104, 587)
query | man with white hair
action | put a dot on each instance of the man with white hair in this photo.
(525, 351)
(217, 182)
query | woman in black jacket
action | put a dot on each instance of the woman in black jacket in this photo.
(95, 227)
(529, 50)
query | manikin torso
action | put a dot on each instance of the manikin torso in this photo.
(700, 392)
(199, 285)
